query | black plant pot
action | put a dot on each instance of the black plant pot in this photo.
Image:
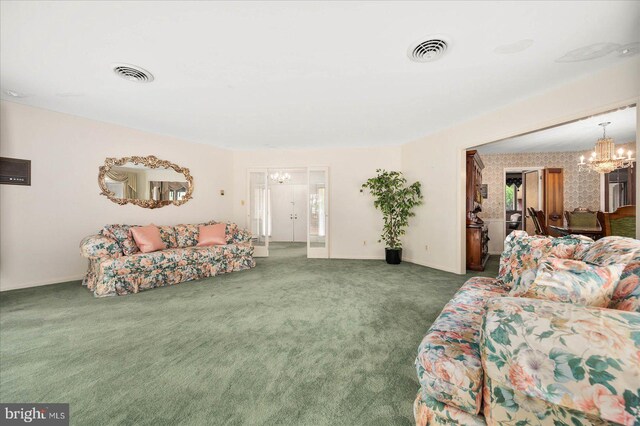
(393, 256)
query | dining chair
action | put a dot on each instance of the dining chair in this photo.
(581, 218)
(537, 216)
(621, 222)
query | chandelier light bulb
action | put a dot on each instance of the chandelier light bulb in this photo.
(606, 158)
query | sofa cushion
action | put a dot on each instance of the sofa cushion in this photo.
(572, 281)
(148, 238)
(122, 234)
(611, 250)
(448, 362)
(186, 235)
(579, 358)
(523, 253)
(212, 235)
(168, 235)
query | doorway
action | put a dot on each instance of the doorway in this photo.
(289, 207)
(522, 190)
(287, 200)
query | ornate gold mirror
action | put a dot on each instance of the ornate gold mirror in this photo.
(145, 181)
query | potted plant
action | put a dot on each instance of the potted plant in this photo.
(396, 200)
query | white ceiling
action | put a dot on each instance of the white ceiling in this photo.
(247, 75)
(576, 136)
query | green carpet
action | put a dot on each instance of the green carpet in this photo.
(291, 342)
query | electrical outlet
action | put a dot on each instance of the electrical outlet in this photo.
(426, 247)
(364, 243)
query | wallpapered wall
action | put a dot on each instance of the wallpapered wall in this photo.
(581, 189)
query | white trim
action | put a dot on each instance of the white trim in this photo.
(319, 252)
(44, 282)
(358, 257)
(259, 251)
(432, 265)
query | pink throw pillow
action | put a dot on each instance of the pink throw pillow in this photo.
(148, 238)
(212, 235)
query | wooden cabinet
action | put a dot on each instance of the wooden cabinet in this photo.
(477, 232)
(477, 246)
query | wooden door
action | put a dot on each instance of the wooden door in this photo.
(531, 197)
(553, 196)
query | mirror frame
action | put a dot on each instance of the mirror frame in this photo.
(151, 162)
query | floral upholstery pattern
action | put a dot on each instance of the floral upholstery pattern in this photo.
(532, 361)
(168, 236)
(122, 234)
(523, 253)
(448, 362)
(110, 273)
(430, 411)
(187, 235)
(626, 296)
(572, 281)
(554, 359)
(612, 250)
(505, 406)
(98, 246)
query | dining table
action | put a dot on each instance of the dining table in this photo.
(594, 232)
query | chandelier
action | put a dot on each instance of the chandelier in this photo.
(280, 177)
(604, 158)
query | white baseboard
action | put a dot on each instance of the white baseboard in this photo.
(432, 265)
(41, 283)
(358, 257)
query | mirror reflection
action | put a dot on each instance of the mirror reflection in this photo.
(138, 182)
(145, 181)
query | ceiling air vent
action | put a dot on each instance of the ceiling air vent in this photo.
(133, 73)
(429, 50)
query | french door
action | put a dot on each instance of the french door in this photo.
(258, 210)
(318, 213)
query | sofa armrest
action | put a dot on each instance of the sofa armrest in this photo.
(236, 235)
(582, 359)
(99, 246)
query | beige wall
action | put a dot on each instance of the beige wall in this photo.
(41, 225)
(436, 235)
(354, 224)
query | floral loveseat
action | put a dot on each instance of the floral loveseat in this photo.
(117, 267)
(491, 358)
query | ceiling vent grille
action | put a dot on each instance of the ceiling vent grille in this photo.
(133, 73)
(429, 50)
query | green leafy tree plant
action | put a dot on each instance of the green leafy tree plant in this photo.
(396, 201)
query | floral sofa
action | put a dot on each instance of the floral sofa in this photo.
(491, 358)
(117, 267)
